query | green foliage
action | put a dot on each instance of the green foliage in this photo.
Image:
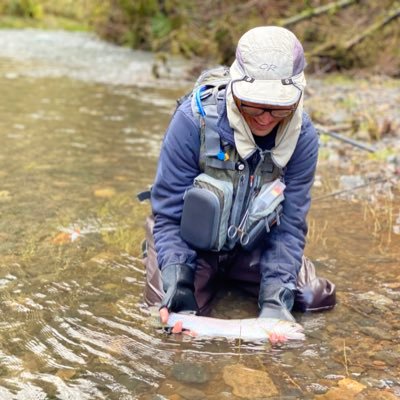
(25, 8)
(383, 154)
(161, 26)
(210, 29)
(226, 44)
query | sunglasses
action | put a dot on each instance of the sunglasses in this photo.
(257, 111)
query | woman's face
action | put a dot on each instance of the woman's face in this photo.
(262, 118)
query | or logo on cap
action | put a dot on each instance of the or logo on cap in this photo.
(268, 67)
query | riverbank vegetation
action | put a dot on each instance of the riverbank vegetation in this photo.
(337, 34)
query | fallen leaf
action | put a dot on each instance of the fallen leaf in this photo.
(105, 193)
(61, 238)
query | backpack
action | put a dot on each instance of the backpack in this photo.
(209, 82)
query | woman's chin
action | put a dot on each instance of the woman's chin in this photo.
(262, 131)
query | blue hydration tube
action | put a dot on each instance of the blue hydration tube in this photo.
(198, 100)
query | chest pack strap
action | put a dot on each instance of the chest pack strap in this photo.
(206, 99)
(219, 164)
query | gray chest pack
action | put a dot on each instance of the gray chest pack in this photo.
(230, 202)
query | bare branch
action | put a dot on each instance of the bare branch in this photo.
(371, 29)
(309, 13)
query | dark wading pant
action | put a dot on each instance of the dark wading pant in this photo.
(238, 266)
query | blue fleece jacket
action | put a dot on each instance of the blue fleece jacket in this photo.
(179, 165)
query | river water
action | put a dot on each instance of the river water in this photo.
(81, 123)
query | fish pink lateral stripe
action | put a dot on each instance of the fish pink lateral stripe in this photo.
(246, 329)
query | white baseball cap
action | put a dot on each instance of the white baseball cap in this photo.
(268, 68)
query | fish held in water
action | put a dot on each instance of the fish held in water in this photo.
(251, 329)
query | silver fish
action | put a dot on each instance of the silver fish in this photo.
(251, 329)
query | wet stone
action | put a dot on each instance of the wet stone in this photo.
(334, 377)
(352, 385)
(378, 300)
(357, 370)
(376, 394)
(373, 382)
(318, 335)
(317, 388)
(376, 333)
(348, 389)
(310, 353)
(190, 372)
(390, 357)
(249, 383)
(334, 366)
(189, 393)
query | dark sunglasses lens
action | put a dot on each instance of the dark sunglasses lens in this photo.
(253, 111)
(281, 113)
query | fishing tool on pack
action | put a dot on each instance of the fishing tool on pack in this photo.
(239, 231)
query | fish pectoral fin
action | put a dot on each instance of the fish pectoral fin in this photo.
(178, 327)
(276, 338)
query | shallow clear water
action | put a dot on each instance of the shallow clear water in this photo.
(74, 151)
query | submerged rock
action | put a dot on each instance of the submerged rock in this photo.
(189, 393)
(390, 357)
(348, 389)
(376, 333)
(190, 372)
(378, 300)
(317, 388)
(249, 383)
(376, 394)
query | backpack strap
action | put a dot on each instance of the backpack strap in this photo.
(206, 99)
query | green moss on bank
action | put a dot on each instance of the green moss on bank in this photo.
(50, 22)
(209, 29)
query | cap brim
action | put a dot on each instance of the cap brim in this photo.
(271, 92)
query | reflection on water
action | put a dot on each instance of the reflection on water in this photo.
(72, 325)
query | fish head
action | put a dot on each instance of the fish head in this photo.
(280, 331)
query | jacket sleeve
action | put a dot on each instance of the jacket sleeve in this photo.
(177, 167)
(282, 256)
